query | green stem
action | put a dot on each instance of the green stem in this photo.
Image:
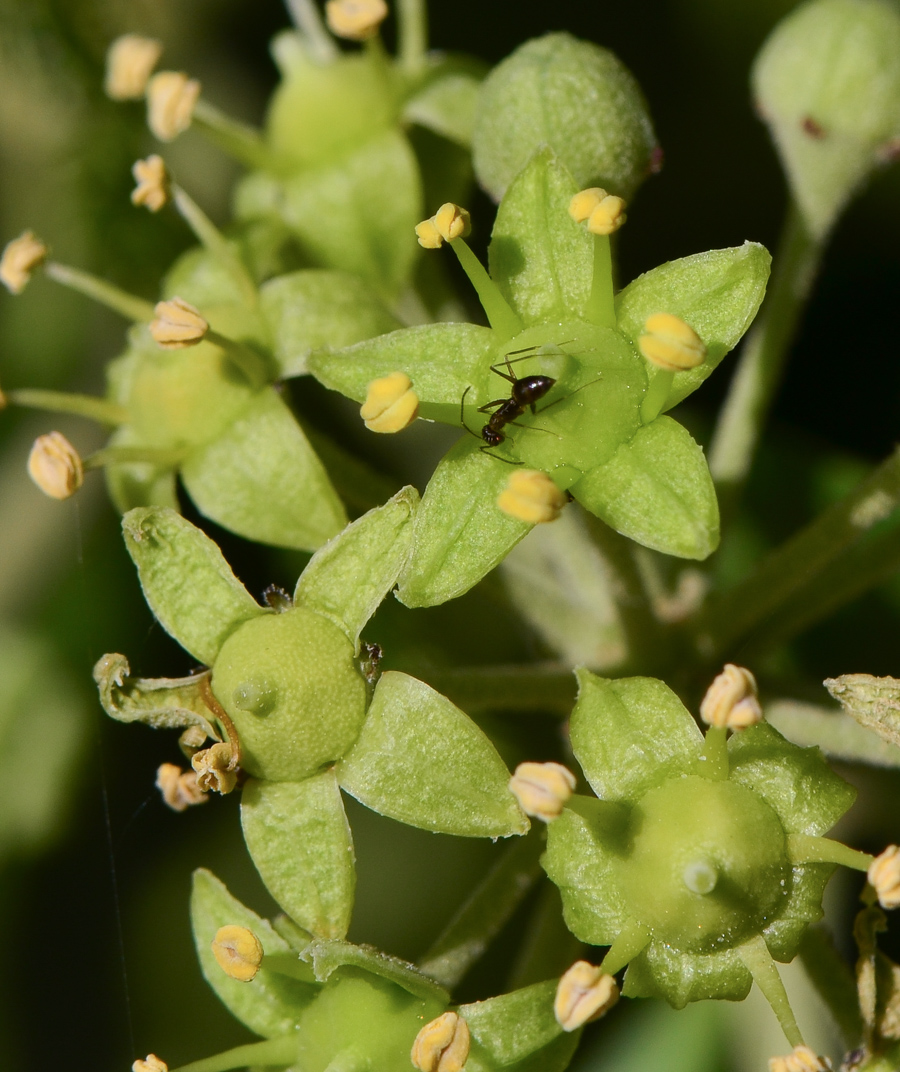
(482, 916)
(214, 241)
(548, 947)
(112, 297)
(94, 409)
(528, 687)
(158, 456)
(305, 16)
(758, 961)
(250, 363)
(276, 1051)
(631, 940)
(501, 317)
(744, 609)
(833, 981)
(806, 849)
(657, 395)
(601, 307)
(760, 368)
(412, 33)
(239, 140)
(714, 757)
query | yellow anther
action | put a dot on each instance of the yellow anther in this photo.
(731, 700)
(20, 258)
(604, 213)
(391, 404)
(179, 787)
(671, 344)
(151, 1063)
(802, 1059)
(171, 97)
(177, 324)
(55, 466)
(442, 1045)
(355, 20)
(584, 993)
(238, 952)
(428, 234)
(584, 202)
(130, 60)
(531, 496)
(213, 767)
(449, 222)
(153, 183)
(542, 789)
(884, 877)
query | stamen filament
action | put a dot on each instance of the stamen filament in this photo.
(305, 16)
(758, 961)
(631, 940)
(501, 317)
(213, 239)
(94, 409)
(276, 1051)
(657, 395)
(158, 456)
(600, 308)
(251, 364)
(805, 849)
(412, 33)
(714, 756)
(120, 301)
(238, 139)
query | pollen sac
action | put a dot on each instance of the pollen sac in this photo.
(171, 97)
(584, 993)
(442, 1045)
(55, 466)
(801, 1059)
(604, 213)
(671, 344)
(151, 1063)
(355, 20)
(884, 877)
(531, 496)
(153, 183)
(542, 789)
(130, 60)
(391, 404)
(449, 222)
(20, 258)
(179, 788)
(731, 700)
(215, 769)
(177, 324)
(238, 952)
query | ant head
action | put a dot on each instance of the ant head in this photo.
(492, 437)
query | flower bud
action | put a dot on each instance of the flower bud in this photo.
(802, 1059)
(177, 324)
(179, 788)
(449, 222)
(171, 97)
(827, 81)
(130, 60)
(214, 770)
(531, 496)
(238, 952)
(355, 20)
(884, 877)
(55, 466)
(603, 212)
(584, 994)
(731, 700)
(20, 257)
(542, 789)
(153, 183)
(151, 1063)
(442, 1045)
(671, 344)
(391, 404)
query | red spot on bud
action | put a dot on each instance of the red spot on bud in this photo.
(812, 128)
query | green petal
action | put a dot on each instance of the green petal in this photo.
(261, 479)
(717, 293)
(459, 532)
(539, 257)
(631, 734)
(804, 906)
(202, 279)
(421, 760)
(514, 1026)
(326, 957)
(678, 977)
(271, 1003)
(308, 310)
(186, 581)
(447, 105)
(300, 841)
(349, 577)
(657, 490)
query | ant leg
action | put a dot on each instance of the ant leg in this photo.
(462, 416)
(487, 451)
(534, 428)
(550, 405)
(493, 405)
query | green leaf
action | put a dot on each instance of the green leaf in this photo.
(513, 1026)
(349, 577)
(271, 1003)
(447, 106)
(656, 489)
(261, 479)
(459, 532)
(421, 760)
(539, 257)
(631, 734)
(326, 957)
(186, 581)
(311, 309)
(300, 841)
(717, 293)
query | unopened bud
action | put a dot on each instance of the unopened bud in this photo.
(178, 787)
(151, 1063)
(671, 344)
(884, 877)
(171, 97)
(355, 20)
(731, 700)
(153, 183)
(604, 213)
(214, 770)
(584, 993)
(130, 59)
(391, 404)
(238, 952)
(20, 257)
(177, 324)
(55, 466)
(449, 222)
(442, 1045)
(531, 496)
(542, 789)
(802, 1059)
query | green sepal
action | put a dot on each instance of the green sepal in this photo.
(421, 760)
(657, 490)
(161, 702)
(539, 257)
(631, 734)
(783, 935)
(679, 977)
(271, 1003)
(202, 279)
(261, 479)
(459, 532)
(797, 782)
(311, 309)
(186, 581)
(349, 577)
(300, 841)
(718, 293)
(446, 105)
(326, 957)
(138, 484)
